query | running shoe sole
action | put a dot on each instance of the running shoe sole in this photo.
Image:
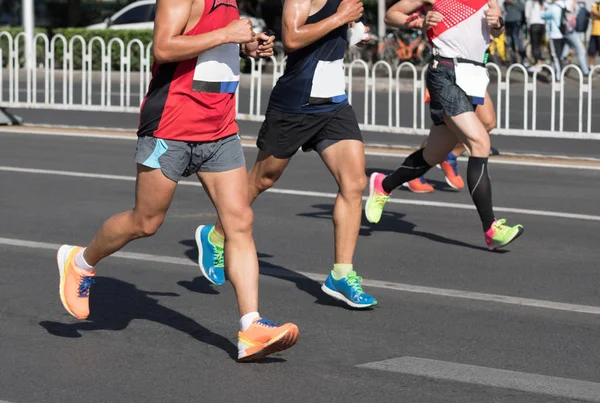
(405, 184)
(61, 261)
(341, 297)
(199, 245)
(284, 341)
(521, 230)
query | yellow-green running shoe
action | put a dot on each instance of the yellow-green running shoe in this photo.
(377, 198)
(500, 235)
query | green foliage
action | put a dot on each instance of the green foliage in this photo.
(145, 36)
(13, 33)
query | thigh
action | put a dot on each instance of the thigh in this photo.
(228, 192)
(153, 192)
(486, 112)
(346, 161)
(268, 166)
(440, 142)
(468, 128)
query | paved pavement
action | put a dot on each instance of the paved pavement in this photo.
(459, 323)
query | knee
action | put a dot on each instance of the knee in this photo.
(480, 146)
(147, 226)
(238, 222)
(353, 186)
(265, 181)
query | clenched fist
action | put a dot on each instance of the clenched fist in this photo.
(350, 11)
(240, 31)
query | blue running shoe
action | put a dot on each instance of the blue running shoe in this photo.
(210, 257)
(348, 290)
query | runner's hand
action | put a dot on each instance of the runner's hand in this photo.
(240, 31)
(432, 18)
(350, 11)
(492, 16)
(263, 47)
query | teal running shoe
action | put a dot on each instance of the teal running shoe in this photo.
(348, 290)
(211, 258)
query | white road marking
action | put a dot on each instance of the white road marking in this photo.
(388, 285)
(130, 137)
(293, 192)
(492, 377)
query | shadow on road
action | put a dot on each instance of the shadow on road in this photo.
(115, 303)
(392, 222)
(302, 282)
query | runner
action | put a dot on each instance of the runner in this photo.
(187, 126)
(457, 81)
(309, 109)
(401, 15)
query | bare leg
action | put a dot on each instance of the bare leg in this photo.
(346, 162)
(266, 171)
(153, 195)
(229, 193)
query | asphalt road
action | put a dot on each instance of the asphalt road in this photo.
(158, 332)
(505, 144)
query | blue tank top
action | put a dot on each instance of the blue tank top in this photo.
(314, 81)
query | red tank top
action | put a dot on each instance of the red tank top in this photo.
(194, 100)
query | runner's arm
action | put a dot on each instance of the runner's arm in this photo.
(399, 13)
(170, 45)
(297, 34)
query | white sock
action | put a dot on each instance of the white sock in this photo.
(247, 320)
(81, 263)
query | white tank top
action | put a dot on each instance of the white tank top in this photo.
(464, 31)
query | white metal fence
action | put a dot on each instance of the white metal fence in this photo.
(385, 100)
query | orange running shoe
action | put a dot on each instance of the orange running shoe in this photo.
(74, 283)
(419, 185)
(450, 168)
(264, 337)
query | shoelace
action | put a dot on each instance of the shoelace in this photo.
(422, 180)
(454, 166)
(266, 322)
(499, 225)
(381, 200)
(354, 283)
(219, 260)
(84, 286)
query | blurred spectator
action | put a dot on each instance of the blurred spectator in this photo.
(594, 46)
(572, 39)
(537, 30)
(513, 16)
(552, 14)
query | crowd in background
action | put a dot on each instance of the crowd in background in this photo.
(552, 29)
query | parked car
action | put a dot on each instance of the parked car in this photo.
(140, 15)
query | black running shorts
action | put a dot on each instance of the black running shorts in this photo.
(283, 134)
(447, 98)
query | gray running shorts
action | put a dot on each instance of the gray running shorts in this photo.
(183, 158)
